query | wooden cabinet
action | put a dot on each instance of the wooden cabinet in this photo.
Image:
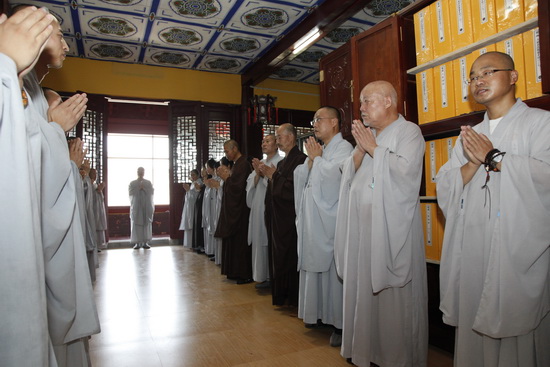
(378, 54)
(336, 85)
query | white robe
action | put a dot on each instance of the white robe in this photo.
(23, 325)
(379, 252)
(72, 313)
(494, 272)
(257, 232)
(90, 227)
(316, 194)
(210, 207)
(142, 210)
(188, 214)
(100, 217)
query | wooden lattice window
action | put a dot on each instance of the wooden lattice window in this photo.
(184, 132)
(218, 133)
(92, 136)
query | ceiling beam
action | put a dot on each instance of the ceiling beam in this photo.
(327, 17)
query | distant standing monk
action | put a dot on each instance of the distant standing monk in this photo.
(141, 210)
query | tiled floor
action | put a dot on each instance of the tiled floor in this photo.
(171, 307)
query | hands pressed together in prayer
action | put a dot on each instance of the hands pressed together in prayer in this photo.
(100, 187)
(67, 114)
(77, 151)
(256, 166)
(224, 172)
(215, 184)
(475, 145)
(24, 35)
(364, 137)
(85, 166)
(267, 170)
(186, 186)
(314, 150)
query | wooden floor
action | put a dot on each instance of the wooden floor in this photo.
(171, 307)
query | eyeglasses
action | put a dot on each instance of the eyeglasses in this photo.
(484, 74)
(317, 119)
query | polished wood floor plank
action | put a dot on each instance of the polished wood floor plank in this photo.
(170, 307)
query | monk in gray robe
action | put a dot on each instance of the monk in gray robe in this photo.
(89, 218)
(379, 245)
(72, 314)
(281, 217)
(99, 210)
(23, 326)
(256, 187)
(495, 194)
(316, 191)
(188, 211)
(142, 210)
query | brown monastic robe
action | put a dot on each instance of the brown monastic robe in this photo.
(233, 223)
(281, 218)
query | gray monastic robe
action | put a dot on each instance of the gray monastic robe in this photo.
(23, 324)
(188, 214)
(379, 252)
(142, 210)
(210, 215)
(72, 313)
(257, 233)
(100, 217)
(495, 284)
(316, 194)
(90, 227)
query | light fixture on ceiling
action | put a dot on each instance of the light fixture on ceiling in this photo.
(306, 41)
(157, 103)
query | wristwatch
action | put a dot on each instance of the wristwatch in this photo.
(496, 160)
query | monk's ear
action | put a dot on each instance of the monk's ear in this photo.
(387, 102)
(514, 75)
(334, 122)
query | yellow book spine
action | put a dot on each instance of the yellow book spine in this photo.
(531, 8)
(461, 71)
(430, 167)
(533, 73)
(428, 215)
(441, 28)
(509, 13)
(483, 19)
(423, 36)
(425, 96)
(444, 91)
(514, 47)
(461, 23)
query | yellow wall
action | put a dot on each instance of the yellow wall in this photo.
(145, 81)
(293, 95)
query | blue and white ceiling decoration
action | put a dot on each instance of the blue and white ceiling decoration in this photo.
(225, 36)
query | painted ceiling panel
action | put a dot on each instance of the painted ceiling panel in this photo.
(163, 57)
(225, 36)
